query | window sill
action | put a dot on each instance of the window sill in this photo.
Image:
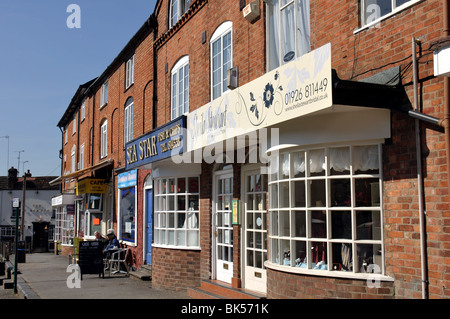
(387, 16)
(175, 247)
(326, 273)
(128, 87)
(102, 106)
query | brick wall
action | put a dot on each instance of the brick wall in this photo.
(175, 269)
(357, 56)
(283, 285)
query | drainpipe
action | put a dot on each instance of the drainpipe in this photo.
(446, 121)
(423, 249)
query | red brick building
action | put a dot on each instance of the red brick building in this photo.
(298, 149)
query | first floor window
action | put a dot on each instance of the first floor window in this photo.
(180, 88)
(372, 10)
(128, 121)
(176, 205)
(129, 72)
(325, 211)
(104, 139)
(177, 9)
(104, 94)
(288, 31)
(128, 214)
(221, 58)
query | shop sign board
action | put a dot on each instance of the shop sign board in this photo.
(127, 179)
(296, 89)
(91, 186)
(159, 144)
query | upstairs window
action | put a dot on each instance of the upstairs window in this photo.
(221, 58)
(73, 159)
(177, 9)
(74, 126)
(180, 87)
(104, 94)
(104, 139)
(373, 11)
(288, 31)
(83, 110)
(128, 121)
(129, 71)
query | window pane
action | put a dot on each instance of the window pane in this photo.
(317, 162)
(367, 192)
(317, 193)
(319, 256)
(181, 184)
(181, 238)
(366, 159)
(284, 223)
(299, 254)
(298, 194)
(286, 251)
(340, 192)
(299, 222)
(193, 184)
(340, 161)
(342, 257)
(299, 164)
(368, 225)
(284, 194)
(369, 258)
(375, 9)
(318, 224)
(341, 225)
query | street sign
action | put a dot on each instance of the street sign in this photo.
(16, 203)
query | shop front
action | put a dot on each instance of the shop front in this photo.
(169, 201)
(295, 176)
(64, 207)
(91, 210)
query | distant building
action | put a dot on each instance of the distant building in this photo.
(39, 218)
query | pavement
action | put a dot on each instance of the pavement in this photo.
(47, 276)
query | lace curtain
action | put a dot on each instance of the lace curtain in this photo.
(364, 158)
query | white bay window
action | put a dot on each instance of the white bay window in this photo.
(325, 212)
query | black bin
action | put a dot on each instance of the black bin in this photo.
(21, 252)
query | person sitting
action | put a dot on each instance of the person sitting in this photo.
(112, 245)
(100, 238)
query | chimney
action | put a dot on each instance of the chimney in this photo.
(12, 178)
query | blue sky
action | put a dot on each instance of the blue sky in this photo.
(42, 63)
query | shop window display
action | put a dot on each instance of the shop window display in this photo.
(325, 211)
(177, 212)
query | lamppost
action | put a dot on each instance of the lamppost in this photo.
(7, 159)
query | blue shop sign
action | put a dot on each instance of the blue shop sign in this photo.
(159, 144)
(127, 179)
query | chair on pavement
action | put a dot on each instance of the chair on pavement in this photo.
(118, 262)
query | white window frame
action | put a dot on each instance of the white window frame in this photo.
(365, 24)
(299, 51)
(104, 139)
(129, 72)
(179, 103)
(66, 134)
(223, 30)
(181, 6)
(81, 156)
(74, 124)
(104, 94)
(83, 110)
(119, 213)
(128, 121)
(73, 159)
(283, 239)
(167, 216)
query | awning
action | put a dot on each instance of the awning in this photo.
(76, 174)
